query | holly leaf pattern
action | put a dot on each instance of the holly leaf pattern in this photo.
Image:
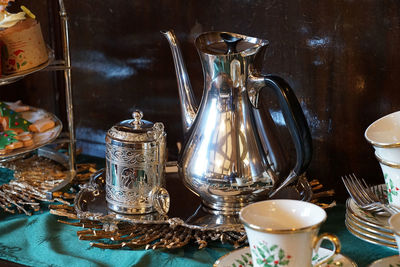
(272, 248)
(261, 252)
(281, 254)
(392, 190)
(244, 261)
(270, 257)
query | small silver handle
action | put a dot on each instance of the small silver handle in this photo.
(160, 200)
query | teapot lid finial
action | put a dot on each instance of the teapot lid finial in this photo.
(231, 42)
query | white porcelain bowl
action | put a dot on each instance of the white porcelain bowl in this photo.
(384, 135)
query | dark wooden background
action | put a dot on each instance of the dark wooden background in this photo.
(341, 57)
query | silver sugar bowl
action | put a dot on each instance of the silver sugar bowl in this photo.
(135, 164)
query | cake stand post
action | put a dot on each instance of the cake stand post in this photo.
(68, 89)
(65, 65)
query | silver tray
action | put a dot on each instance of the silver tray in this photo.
(39, 139)
(186, 208)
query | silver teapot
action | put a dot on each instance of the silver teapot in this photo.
(228, 157)
(135, 164)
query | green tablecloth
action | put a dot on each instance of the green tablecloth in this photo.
(40, 240)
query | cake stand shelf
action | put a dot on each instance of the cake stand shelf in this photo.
(52, 64)
(7, 79)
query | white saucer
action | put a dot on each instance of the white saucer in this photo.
(386, 262)
(242, 257)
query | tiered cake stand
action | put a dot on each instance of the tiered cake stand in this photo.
(53, 64)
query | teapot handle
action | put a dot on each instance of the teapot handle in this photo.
(295, 121)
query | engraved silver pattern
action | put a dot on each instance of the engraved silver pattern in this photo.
(126, 156)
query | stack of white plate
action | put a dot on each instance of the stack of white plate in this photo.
(370, 227)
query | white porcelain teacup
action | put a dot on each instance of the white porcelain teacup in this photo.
(394, 222)
(284, 232)
(391, 174)
(384, 135)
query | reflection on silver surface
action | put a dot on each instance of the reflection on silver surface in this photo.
(225, 160)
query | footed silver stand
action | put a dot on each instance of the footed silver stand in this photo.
(90, 203)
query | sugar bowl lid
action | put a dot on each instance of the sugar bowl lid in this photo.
(136, 129)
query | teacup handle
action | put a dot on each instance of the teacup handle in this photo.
(335, 242)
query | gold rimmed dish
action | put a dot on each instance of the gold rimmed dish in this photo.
(385, 262)
(384, 239)
(242, 257)
(359, 233)
(372, 230)
(369, 218)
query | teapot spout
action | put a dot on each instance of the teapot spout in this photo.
(187, 100)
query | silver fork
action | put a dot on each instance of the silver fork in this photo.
(364, 197)
(380, 193)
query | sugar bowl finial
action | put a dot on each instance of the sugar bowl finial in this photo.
(137, 116)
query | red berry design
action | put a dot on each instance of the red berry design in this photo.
(17, 52)
(276, 262)
(16, 123)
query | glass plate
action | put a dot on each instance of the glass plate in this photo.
(39, 139)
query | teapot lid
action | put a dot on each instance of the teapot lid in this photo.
(225, 43)
(136, 129)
